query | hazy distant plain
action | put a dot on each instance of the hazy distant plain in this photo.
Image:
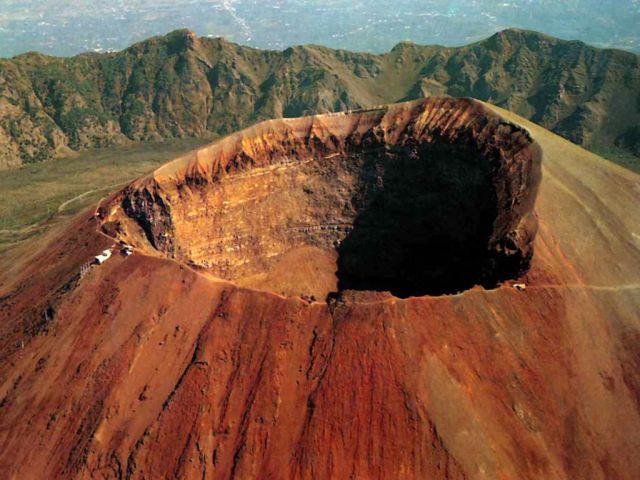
(67, 27)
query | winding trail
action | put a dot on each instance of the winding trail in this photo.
(63, 205)
(60, 210)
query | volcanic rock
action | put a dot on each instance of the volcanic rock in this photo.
(420, 198)
(152, 366)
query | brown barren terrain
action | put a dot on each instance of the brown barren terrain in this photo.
(203, 355)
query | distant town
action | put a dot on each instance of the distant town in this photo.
(70, 27)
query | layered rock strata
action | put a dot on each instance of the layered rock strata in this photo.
(424, 197)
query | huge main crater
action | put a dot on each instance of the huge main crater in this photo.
(421, 198)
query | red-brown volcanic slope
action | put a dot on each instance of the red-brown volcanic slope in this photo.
(149, 368)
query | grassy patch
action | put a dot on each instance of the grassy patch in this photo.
(35, 193)
(617, 155)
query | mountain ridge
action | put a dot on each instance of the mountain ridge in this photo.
(181, 85)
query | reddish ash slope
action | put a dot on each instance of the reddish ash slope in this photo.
(152, 367)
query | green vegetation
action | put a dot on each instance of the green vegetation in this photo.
(617, 155)
(36, 195)
(180, 86)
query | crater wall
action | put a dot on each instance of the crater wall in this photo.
(420, 198)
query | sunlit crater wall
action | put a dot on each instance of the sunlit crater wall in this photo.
(425, 197)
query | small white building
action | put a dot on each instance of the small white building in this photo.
(104, 256)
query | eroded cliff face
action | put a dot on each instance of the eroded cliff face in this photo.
(425, 197)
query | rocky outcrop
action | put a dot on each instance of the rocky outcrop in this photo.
(180, 85)
(431, 196)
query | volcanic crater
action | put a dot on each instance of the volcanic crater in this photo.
(423, 198)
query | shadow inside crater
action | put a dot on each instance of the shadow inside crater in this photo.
(425, 216)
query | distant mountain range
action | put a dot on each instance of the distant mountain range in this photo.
(180, 85)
